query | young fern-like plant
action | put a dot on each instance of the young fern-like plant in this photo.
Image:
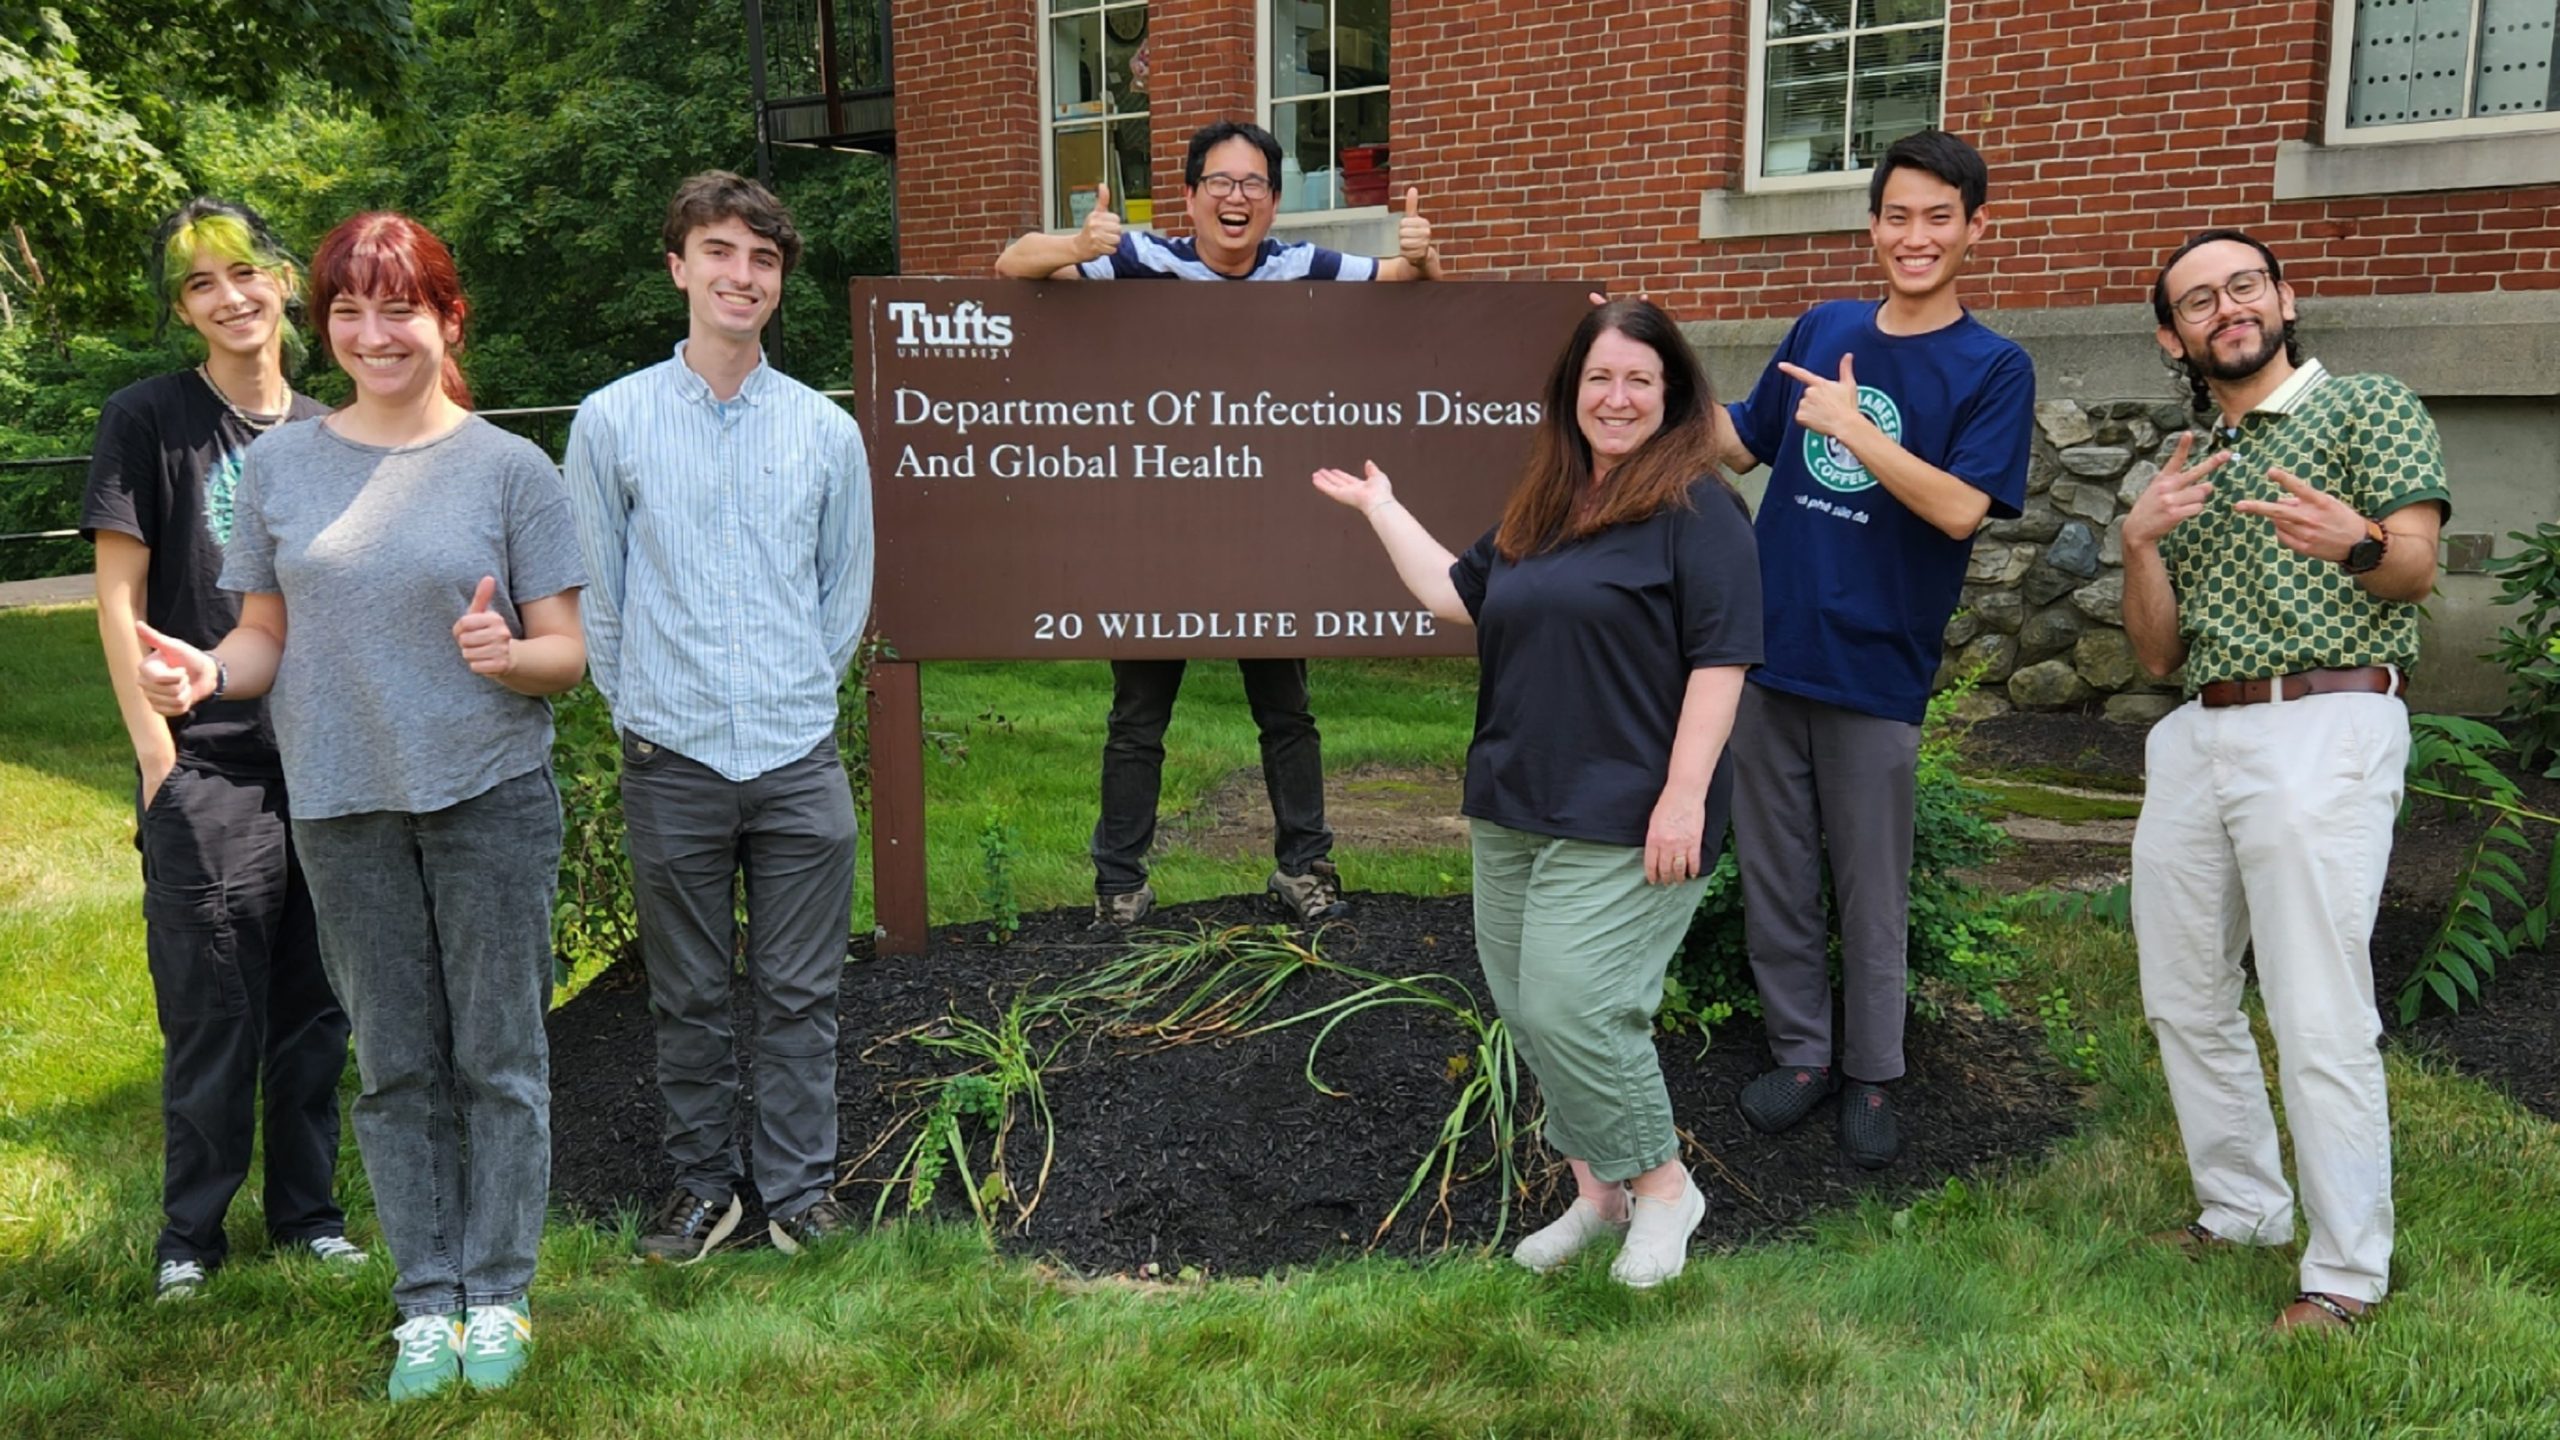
(2453, 762)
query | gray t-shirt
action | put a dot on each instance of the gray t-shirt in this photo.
(376, 553)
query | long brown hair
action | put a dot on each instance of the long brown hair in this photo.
(1555, 501)
(389, 256)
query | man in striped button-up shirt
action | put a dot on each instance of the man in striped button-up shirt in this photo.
(725, 511)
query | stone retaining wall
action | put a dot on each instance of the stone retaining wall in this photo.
(2042, 616)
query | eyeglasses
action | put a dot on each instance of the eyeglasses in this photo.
(2198, 305)
(1220, 185)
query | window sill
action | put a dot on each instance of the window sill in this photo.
(2305, 171)
(1368, 230)
(1742, 214)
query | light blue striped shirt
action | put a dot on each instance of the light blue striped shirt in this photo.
(730, 551)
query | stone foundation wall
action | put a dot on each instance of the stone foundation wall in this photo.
(2042, 616)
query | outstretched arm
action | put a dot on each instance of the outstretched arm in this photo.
(1043, 256)
(1421, 562)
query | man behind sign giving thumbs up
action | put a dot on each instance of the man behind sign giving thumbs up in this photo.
(1231, 191)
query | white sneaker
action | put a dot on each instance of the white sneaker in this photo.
(335, 1251)
(178, 1280)
(1566, 1236)
(1658, 1234)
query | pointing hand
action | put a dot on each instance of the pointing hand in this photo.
(1827, 407)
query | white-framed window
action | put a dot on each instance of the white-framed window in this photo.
(2429, 69)
(1093, 108)
(1324, 90)
(1835, 82)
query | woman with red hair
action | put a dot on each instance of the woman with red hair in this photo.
(409, 577)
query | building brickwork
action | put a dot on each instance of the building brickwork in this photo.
(1578, 139)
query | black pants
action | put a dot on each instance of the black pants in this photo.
(247, 1020)
(1142, 693)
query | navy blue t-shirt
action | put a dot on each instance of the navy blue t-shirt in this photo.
(1584, 655)
(1855, 587)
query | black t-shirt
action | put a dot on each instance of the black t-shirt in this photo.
(1586, 651)
(166, 461)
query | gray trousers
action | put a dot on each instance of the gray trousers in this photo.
(691, 830)
(436, 932)
(1815, 780)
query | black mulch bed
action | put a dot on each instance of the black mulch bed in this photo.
(1223, 1157)
(2508, 1037)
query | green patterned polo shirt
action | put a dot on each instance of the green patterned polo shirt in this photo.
(2248, 607)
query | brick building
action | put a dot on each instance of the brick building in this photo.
(2403, 156)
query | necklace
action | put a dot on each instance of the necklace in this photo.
(258, 425)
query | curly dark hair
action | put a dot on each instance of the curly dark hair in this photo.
(2199, 396)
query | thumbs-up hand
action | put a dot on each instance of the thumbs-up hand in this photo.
(488, 646)
(1101, 233)
(1413, 235)
(1828, 407)
(176, 676)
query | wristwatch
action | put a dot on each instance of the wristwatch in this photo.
(221, 680)
(2366, 553)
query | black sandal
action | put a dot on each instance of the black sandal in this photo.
(2333, 1312)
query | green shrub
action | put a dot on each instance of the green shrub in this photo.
(1959, 934)
(2529, 648)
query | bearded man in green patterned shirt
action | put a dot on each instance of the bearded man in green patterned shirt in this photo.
(2283, 570)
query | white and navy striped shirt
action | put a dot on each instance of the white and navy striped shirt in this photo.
(1145, 255)
(730, 550)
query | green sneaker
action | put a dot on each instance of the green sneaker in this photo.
(496, 1340)
(429, 1355)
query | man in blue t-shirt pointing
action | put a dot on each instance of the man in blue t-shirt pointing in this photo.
(1890, 428)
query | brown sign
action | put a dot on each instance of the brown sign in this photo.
(1067, 471)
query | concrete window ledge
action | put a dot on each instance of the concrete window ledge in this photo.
(1739, 215)
(2469, 162)
(1366, 231)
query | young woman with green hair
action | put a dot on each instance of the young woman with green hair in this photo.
(248, 1023)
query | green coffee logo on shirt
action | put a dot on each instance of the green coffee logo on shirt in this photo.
(1831, 463)
(220, 484)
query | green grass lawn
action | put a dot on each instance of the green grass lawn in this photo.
(2017, 1306)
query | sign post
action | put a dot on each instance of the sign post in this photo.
(1117, 471)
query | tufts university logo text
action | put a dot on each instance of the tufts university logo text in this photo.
(1830, 462)
(965, 332)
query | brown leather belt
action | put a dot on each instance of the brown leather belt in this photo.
(2362, 680)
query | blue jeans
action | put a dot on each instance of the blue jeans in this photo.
(436, 932)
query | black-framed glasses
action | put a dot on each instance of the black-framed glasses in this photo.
(2198, 305)
(1220, 185)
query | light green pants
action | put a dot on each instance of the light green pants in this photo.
(1574, 944)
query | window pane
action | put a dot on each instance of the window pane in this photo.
(1128, 73)
(1359, 43)
(1361, 125)
(1301, 47)
(1896, 91)
(2517, 47)
(1899, 12)
(1075, 67)
(1132, 189)
(1803, 108)
(1307, 160)
(1807, 17)
(1075, 168)
(2408, 61)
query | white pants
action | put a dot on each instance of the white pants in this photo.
(2272, 824)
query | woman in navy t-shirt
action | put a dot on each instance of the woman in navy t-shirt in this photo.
(1616, 606)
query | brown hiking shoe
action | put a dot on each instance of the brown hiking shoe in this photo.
(687, 1226)
(1312, 897)
(1119, 912)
